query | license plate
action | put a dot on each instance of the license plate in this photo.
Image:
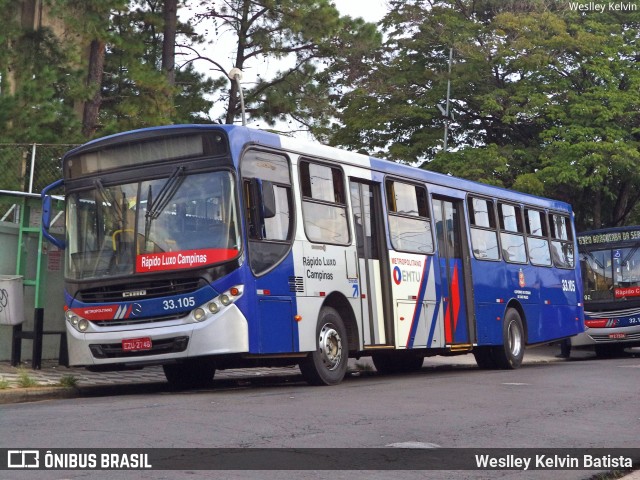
(136, 344)
(617, 335)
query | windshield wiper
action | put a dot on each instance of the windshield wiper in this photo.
(168, 190)
(108, 197)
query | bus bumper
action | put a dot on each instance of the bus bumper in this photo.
(600, 336)
(226, 332)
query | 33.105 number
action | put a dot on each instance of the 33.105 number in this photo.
(182, 302)
(569, 285)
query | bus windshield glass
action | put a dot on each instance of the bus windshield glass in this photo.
(611, 274)
(178, 222)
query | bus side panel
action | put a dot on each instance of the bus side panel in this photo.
(561, 311)
(489, 279)
(418, 313)
(323, 270)
(276, 330)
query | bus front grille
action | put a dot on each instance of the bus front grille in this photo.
(140, 291)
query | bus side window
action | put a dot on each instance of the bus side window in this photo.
(409, 224)
(324, 203)
(484, 235)
(537, 237)
(269, 235)
(561, 241)
(512, 233)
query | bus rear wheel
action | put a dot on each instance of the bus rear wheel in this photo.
(327, 365)
(192, 373)
(509, 355)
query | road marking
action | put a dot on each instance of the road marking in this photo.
(413, 445)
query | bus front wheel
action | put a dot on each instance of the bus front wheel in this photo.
(191, 373)
(327, 365)
(509, 355)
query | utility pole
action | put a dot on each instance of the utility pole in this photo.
(445, 111)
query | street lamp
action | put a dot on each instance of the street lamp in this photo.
(235, 74)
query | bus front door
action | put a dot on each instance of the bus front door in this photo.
(373, 266)
(456, 287)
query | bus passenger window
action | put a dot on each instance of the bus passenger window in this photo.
(324, 205)
(484, 235)
(512, 233)
(561, 241)
(409, 224)
(537, 237)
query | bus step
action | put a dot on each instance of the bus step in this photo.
(461, 347)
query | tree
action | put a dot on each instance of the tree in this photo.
(131, 77)
(545, 99)
(309, 36)
(39, 82)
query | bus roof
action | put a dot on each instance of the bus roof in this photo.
(240, 136)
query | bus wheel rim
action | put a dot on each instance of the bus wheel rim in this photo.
(330, 344)
(515, 340)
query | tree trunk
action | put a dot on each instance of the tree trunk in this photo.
(94, 80)
(169, 41)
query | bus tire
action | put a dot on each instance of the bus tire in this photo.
(509, 355)
(192, 373)
(484, 358)
(397, 362)
(327, 365)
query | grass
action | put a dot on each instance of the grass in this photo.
(69, 381)
(4, 383)
(26, 381)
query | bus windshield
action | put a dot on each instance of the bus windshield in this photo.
(181, 221)
(611, 274)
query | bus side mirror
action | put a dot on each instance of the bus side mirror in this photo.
(46, 214)
(268, 197)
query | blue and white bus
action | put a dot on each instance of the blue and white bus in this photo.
(610, 262)
(208, 247)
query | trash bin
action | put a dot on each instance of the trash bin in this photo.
(11, 300)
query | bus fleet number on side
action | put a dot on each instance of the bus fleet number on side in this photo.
(568, 285)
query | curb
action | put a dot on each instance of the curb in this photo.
(35, 394)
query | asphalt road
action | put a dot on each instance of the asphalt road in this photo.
(580, 403)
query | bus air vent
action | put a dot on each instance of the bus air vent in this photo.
(296, 284)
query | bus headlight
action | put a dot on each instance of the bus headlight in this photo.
(214, 306)
(199, 314)
(71, 317)
(76, 321)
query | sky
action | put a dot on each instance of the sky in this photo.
(222, 49)
(370, 10)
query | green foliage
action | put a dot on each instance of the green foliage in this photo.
(545, 99)
(69, 381)
(25, 380)
(39, 85)
(320, 49)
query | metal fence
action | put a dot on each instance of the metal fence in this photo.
(28, 168)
